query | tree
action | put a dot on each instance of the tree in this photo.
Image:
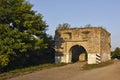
(63, 26)
(22, 32)
(116, 53)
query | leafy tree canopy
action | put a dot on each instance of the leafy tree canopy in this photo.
(22, 30)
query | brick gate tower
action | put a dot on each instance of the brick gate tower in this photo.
(91, 44)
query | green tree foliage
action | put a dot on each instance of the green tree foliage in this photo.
(63, 26)
(22, 33)
(116, 53)
(11, 43)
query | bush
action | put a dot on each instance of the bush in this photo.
(115, 53)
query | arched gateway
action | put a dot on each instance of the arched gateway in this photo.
(91, 44)
(78, 53)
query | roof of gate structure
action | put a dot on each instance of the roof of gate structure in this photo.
(86, 29)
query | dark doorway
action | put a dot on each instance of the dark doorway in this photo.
(78, 53)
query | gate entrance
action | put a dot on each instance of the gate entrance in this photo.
(78, 53)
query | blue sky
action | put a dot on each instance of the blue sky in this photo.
(78, 13)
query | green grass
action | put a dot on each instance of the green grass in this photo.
(26, 70)
(93, 66)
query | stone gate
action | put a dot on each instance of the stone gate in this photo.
(91, 44)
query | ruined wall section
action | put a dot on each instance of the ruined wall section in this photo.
(94, 41)
(62, 37)
(59, 43)
(93, 44)
(105, 45)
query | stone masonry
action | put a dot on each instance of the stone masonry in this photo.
(94, 40)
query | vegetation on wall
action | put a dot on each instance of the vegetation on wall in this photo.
(63, 26)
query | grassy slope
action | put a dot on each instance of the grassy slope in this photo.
(92, 66)
(23, 71)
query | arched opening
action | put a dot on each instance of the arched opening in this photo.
(78, 53)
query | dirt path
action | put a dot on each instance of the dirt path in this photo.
(74, 72)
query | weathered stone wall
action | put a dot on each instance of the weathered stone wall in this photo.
(95, 40)
(94, 45)
(105, 45)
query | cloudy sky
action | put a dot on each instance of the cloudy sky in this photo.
(78, 13)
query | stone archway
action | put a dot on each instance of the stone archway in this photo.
(94, 40)
(78, 53)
